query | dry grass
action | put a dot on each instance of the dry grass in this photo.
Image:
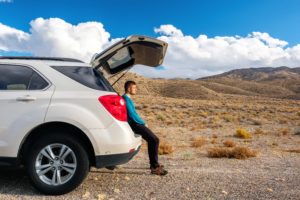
(229, 118)
(236, 152)
(275, 144)
(242, 133)
(256, 122)
(293, 150)
(259, 131)
(165, 148)
(283, 121)
(198, 141)
(218, 152)
(229, 143)
(160, 117)
(297, 131)
(203, 114)
(285, 131)
(214, 141)
(188, 156)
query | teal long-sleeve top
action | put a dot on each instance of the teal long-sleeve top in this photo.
(132, 115)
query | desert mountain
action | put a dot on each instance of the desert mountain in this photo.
(280, 82)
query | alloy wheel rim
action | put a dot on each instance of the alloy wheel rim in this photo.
(55, 164)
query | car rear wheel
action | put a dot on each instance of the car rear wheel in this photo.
(57, 164)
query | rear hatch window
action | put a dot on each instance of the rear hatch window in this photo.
(87, 76)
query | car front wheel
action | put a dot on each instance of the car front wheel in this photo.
(57, 164)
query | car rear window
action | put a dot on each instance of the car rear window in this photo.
(87, 76)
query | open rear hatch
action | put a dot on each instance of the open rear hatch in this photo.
(129, 52)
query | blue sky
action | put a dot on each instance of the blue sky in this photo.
(225, 18)
(212, 17)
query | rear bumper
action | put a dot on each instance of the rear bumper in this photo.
(115, 159)
(8, 161)
(117, 138)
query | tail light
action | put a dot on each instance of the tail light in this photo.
(115, 105)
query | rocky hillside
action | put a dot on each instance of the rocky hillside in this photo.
(281, 82)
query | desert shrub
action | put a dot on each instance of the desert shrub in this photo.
(274, 144)
(198, 141)
(236, 152)
(203, 114)
(259, 131)
(160, 117)
(293, 150)
(242, 133)
(285, 131)
(187, 156)
(229, 118)
(297, 131)
(256, 122)
(283, 121)
(197, 126)
(229, 143)
(218, 152)
(214, 119)
(242, 153)
(165, 148)
(213, 141)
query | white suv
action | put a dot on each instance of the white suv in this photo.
(59, 116)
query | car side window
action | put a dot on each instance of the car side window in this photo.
(16, 77)
(37, 82)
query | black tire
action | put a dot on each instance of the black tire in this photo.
(79, 173)
(111, 167)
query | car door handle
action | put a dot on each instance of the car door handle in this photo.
(26, 98)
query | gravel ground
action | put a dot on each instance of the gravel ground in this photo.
(268, 176)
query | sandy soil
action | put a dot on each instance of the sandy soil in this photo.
(273, 174)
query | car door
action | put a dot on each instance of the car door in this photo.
(129, 52)
(24, 98)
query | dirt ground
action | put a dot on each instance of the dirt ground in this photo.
(188, 129)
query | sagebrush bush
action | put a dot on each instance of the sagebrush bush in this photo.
(229, 143)
(236, 152)
(229, 118)
(218, 152)
(285, 131)
(198, 141)
(242, 133)
(293, 150)
(165, 148)
(297, 131)
(242, 153)
(259, 131)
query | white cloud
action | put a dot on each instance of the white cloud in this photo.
(55, 37)
(194, 57)
(6, 1)
(187, 56)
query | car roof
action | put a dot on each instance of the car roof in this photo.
(40, 58)
(51, 61)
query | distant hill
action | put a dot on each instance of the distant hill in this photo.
(280, 82)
